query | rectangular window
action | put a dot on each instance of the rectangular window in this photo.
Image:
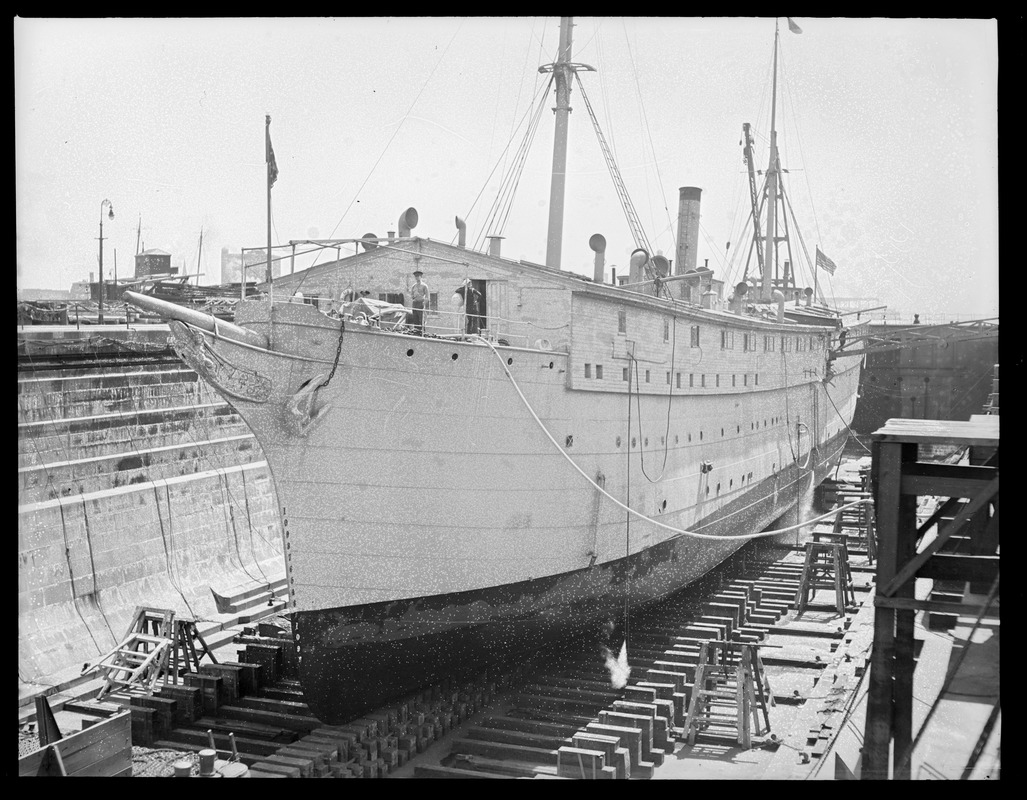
(718, 380)
(733, 379)
(757, 379)
(666, 330)
(588, 370)
(679, 380)
(691, 380)
(727, 340)
(703, 377)
(622, 322)
(624, 373)
(786, 344)
(433, 301)
(599, 372)
(745, 379)
(392, 297)
(695, 335)
(668, 379)
(768, 344)
(647, 376)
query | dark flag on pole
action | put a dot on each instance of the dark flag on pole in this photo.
(272, 167)
(825, 263)
(793, 27)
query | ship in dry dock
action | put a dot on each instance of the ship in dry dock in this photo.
(531, 466)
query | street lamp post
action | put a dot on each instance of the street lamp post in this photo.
(111, 216)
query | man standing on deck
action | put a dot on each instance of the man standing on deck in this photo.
(419, 301)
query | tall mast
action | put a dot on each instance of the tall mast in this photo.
(772, 190)
(562, 70)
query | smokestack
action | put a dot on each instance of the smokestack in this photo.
(688, 229)
(461, 226)
(407, 221)
(598, 244)
(494, 245)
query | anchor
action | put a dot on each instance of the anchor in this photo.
(303, 410)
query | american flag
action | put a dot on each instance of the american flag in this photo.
(272, 167)
(825, 263)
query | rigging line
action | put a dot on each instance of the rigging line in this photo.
(670, 395)
(798, 139)
(520, 173)
(504, 199)
(798, 234)
(395, 133)
(502, 160)
(680, 531)
(852, 433)
(649, 134)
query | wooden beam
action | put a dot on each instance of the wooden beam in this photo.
(928, 605)
(946, 480)
(957, 566)
(959, 521)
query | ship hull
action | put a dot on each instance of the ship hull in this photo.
(357, 658)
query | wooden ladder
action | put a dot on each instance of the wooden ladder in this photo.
(141, 656)
(826, 567)
(184, 655)
(729, 692)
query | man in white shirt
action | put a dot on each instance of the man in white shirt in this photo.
(419, 301)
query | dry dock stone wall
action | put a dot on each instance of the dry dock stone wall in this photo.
(137, 485)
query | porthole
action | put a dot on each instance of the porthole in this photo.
(663, 506)
(718, 488)
(646, 441)
(634, 442)
(675, 438)
(456, 356)
(721, 431)
(509, 361)
(550, 365)
(618, 441)
(410, 352)
(738, 428)
(731, 483)
(570, 439)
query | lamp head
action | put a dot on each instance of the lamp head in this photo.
(111, 214)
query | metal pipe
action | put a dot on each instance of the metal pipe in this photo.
(461, 226)
(407, 222)
(598, 244)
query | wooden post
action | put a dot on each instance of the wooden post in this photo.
(889, 703)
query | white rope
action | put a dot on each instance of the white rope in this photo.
(641, 516)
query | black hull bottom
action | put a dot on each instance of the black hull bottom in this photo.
(356, 659)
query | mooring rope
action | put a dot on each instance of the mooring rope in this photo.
(657, 523)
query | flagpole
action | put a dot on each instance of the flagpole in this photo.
(816, 273)
(267, 138)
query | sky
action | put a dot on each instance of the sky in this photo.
(888, 129)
